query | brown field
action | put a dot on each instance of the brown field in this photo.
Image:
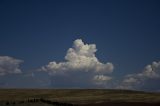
(85, 97)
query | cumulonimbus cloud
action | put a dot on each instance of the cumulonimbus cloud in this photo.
(81, 58)
(151, 71)
(9, 65)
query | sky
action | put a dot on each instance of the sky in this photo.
(108, 44)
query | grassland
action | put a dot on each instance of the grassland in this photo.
(78, 96)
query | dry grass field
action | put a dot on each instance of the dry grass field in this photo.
(85, 97)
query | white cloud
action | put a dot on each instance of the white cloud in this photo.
(131, 81)
(101, 79)
(152, 71)
(81, 59)
(9, 65)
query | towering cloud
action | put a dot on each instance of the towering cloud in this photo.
(9, 65)
(151, 71)
(80, 58)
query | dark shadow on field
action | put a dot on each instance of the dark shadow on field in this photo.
(35, 102)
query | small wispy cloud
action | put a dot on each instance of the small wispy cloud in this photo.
(101, 79)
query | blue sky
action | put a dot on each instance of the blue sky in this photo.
(126, 33)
